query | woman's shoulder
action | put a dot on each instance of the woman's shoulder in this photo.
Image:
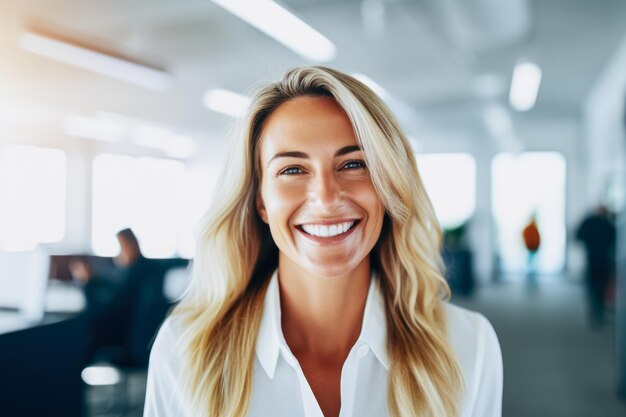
(477, 348)
(167, 341)
(465, 323)
(164, 395)
(472, 337)
(167, 353)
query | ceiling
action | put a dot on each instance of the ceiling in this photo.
(430, 55)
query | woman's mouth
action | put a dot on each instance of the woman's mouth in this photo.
(328, 230)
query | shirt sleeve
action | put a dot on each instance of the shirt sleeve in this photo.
(164, 397)
(488, 401)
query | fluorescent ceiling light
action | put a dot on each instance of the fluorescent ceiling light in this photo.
(92, 59)
(111, 127)
(96, 128)
(226, 102)
(176, 146)
(525, 86)
(283, 26)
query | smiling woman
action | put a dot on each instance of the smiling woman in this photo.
(314, 181)
(318, 286)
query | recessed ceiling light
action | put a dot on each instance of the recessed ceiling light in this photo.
(226, 102)
(110, 127)
(283, 26)
(77, 54)
(525, 86)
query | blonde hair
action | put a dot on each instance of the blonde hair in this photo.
(236, 255)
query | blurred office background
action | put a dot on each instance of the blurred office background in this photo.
(114, 115)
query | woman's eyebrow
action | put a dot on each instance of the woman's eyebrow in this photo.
(347, 149)
(297, 154)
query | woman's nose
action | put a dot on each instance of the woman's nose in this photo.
(326, 191)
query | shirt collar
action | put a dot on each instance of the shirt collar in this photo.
(270, 331)
(271, 338)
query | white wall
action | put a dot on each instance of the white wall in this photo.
(604, 127)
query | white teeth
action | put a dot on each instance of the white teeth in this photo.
(320, 230)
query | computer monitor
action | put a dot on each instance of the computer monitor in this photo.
(23, 282)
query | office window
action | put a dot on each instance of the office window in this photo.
(197, 190)
(158, 198)
(33, 187)
(450, 181)
(532, 182)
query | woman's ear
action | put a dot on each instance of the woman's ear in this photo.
(260, 208)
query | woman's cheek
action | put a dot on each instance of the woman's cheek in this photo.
(281, 196)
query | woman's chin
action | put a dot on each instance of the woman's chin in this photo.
(331, 268)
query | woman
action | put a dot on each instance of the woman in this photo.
(318, 287)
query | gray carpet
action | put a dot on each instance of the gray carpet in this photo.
(554, 364)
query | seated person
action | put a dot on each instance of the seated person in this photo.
(127, 309)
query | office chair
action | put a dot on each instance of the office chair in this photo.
(149, 305)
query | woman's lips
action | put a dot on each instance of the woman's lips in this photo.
(328, 232)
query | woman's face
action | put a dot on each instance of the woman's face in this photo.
(316, 193)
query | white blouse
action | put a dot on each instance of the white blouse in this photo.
(280, 388)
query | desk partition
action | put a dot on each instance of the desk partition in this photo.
(40, 369)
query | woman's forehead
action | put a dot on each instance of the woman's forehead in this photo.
(307, 122)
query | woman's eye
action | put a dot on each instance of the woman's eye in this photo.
(354, 165)
(291, 171)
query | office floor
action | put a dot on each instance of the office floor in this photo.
(122, 400)
(554, 364)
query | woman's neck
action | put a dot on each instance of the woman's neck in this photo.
(322, 316)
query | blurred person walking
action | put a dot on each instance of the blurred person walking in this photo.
(532, 242)
(597, 233)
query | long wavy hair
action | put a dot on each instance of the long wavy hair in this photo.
(221, 311)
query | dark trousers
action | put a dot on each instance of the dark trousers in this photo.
(597, 281)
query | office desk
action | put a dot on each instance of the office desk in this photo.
(12, 321)
(41, 361)
(62, 301)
